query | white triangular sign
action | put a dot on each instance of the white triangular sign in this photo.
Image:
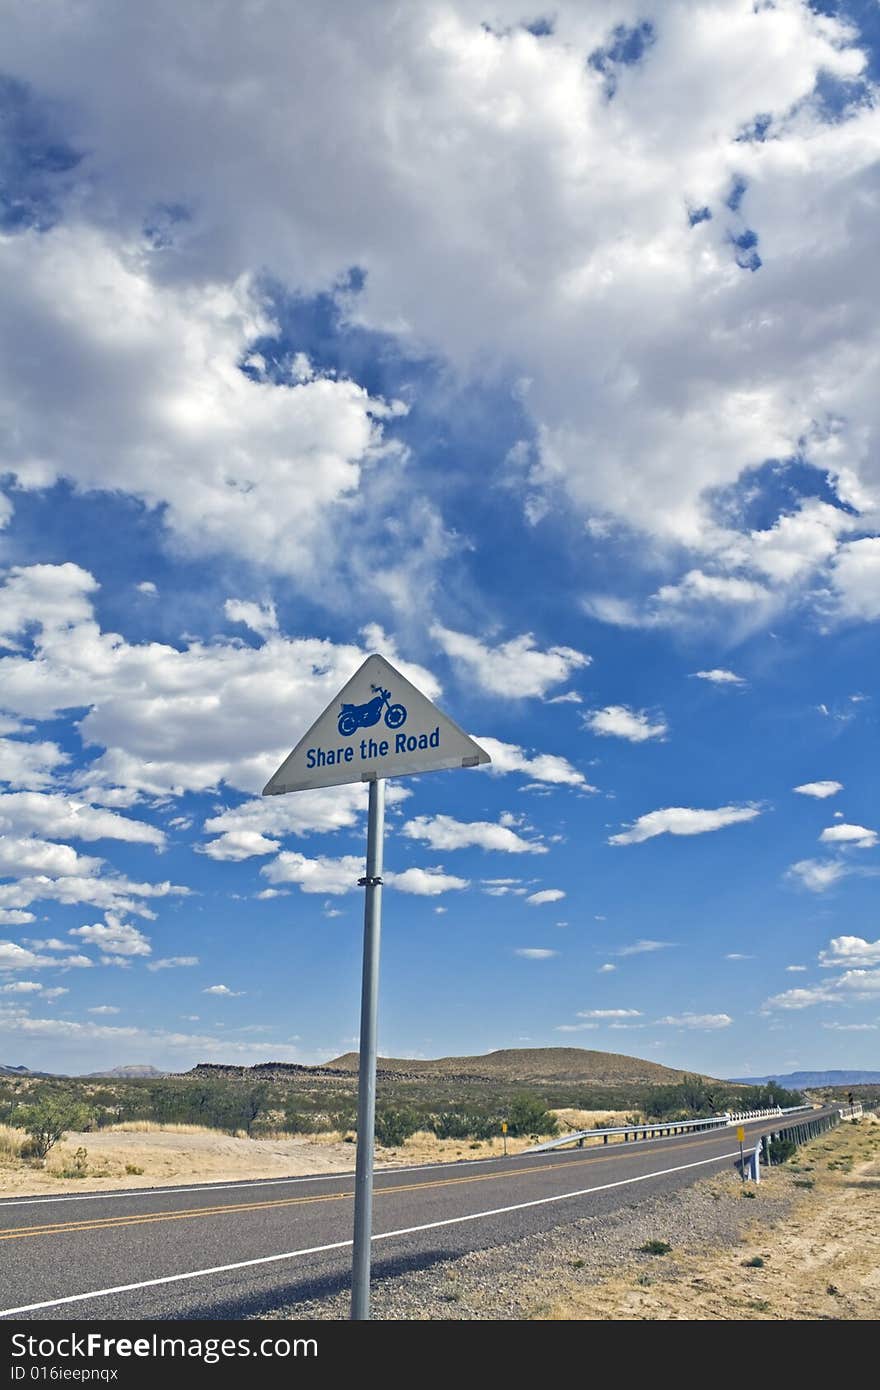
(379, 725)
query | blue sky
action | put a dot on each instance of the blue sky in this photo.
(536, 352)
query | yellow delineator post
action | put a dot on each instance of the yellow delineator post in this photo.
(504, 1135)
(741, 1135)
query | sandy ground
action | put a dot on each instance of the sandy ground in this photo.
(821, 1261)
(176, 1154)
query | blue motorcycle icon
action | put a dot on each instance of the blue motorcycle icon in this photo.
(354, 717)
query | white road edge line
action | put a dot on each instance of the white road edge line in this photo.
(343, 1244)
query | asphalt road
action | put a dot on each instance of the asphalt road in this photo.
(227, 1250)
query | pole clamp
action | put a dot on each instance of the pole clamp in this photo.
(369, 882)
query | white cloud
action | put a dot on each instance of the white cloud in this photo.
(444, 833)
(320, 875)
(224, 991)
(719, 676)
(167, 719)
(617, 721)
(852, 1027)
(594, 306)
(638, 948)
(21, 987)
(334, 876)
(256, 827)
(606, 969)
(856, 579)
(148, 588)
(115, 937)
(856, 835)
(795, 969)
(515, 669)
(820, 790)
(172, 962)
(610, 1013)
(737, 955)
(534, 952)
(573, 1027)
(704, 1021)
(15, 957)
(260, 618)
(544, 896)
(104, 1009)
(28, 764)
(800, 998)
(13, 917)
(818, 874)
(850, 951)
(69, 818)
(425, 883)
(540, 767)
(682, 820)
(864, 984)
(20, 857)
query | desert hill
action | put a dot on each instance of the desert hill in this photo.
(577, 1064)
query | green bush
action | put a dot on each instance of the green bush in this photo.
(655, 1247)
(453, 1125)
(47, 1121)
(394, 1127)
(528, 1115)
(781, 1150)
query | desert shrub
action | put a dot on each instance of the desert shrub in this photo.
(527, 1114)
(450, 1124)
(781, 1150)
(47, 1121)
(133, 1170)
(754, 1263)
(394, 1127)
(655, 1247)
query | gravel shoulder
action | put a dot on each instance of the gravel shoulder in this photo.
(814, 1224)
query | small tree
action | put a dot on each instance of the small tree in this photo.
(528, 1115)
(47, 1121)
(393, 1127)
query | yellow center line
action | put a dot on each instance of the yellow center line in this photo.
(193, 1213)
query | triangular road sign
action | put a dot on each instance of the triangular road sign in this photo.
(379, 725)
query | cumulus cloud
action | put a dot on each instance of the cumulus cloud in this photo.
(104, 1009)
(856, 835)
(719, 676)
(535, 952)
(820, 790)
(61, 817)
(800, 998)
(167, 719)
(223, 991)
(539, 767)
(593, 306)
(256, 827)
(573, 1027)
(443, 832)
(425, 883)
(172, 962)
(544, 896)
(682, 820)
(336, 876)
(115, 937)
(849, 951)
(515, 669)
(606, 969)
(617, 721)
(260, 618)
(29, 764)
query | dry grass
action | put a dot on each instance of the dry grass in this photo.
(153, 1127)
(822, 1261)
(594, 1119)
(11, 1141)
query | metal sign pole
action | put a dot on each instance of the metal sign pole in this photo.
(366, 1121)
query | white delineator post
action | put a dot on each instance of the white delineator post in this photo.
(366, 1120)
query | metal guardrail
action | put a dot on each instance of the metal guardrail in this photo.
(643, 1131)
(665, 1127)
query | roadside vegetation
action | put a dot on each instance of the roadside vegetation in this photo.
(467, 1109)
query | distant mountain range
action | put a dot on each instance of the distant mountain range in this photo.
(137, 1071)
(21, 1071)
(796, 1080)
